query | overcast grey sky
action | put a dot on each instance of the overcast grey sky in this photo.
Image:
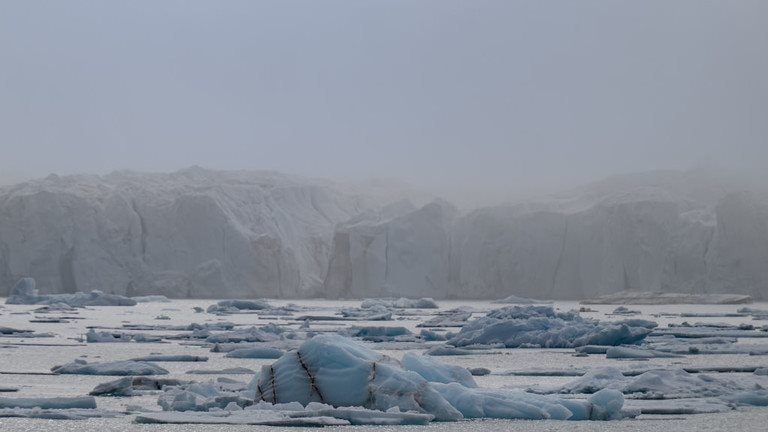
(512, 93)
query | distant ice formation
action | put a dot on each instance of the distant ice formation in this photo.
(542, 326)
(211, 234)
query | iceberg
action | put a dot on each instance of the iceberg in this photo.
(334, 370)
(541, 326)
(25, 293)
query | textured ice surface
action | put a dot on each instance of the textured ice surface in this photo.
(542, 326)
(334, 370)
(669, 383)
(331, 369)
(85, 402)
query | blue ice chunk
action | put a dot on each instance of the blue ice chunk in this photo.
(263, 352)
(335, 370)
(542, 326)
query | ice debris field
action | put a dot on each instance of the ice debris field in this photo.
(116, 360)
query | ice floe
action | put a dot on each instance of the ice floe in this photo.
(542, 326)
(25, 292)
(119, 368)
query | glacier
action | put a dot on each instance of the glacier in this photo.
(200, 233)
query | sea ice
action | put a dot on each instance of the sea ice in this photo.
(235, 306)
(128, 386)
(171, 358)
(541, 326)
(255, 353)
(400, 303)
(119, 368)
(84, 402)
(25, 293)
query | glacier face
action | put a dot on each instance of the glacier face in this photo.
(202, 233)
(663, 232)
(193, 233)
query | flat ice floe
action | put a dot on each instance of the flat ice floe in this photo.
(119, 368)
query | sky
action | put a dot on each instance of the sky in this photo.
(514, 95)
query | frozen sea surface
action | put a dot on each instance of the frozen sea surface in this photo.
(25, 363)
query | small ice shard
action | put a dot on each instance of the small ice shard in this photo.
(235, 306)
(227, 371)
(513, 299)
(59, 403)
(171, 358)
(151, 299)
(400, 303)
(118, 368)
(255, 353)
(128, 386)
(636, 353)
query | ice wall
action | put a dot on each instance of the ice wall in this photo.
(193, 233)
(202, 233)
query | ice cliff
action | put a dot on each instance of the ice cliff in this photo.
(202, 233)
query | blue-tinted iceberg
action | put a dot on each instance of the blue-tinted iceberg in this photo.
(542, 326)
(334, 370)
